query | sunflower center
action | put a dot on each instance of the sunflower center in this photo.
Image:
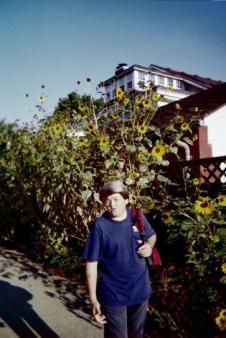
(204, 204)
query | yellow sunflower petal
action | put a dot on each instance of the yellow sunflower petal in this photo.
(196, 181)
(155, 96)
(158, 151)
(142, 129)
(222, 313)
(178, 106)
(223, 267)
(104, 142)
(184, 126)
(119, 93)
(57, 128)
(41, 98)
(204, 206)
(221, 200)
(179, 119)
(126, 101)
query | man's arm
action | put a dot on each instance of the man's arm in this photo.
(91, 275)
(152, 240)
(146, 249)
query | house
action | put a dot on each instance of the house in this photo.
(210, 110)
(171, 84)
(190, 91)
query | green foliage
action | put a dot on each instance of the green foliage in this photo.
(51, 175)
(200, 219)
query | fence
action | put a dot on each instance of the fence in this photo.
(207, 170)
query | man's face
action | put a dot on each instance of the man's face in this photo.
(116, 205)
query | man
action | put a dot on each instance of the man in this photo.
(117, 274)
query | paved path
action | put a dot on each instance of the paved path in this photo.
(34, 304)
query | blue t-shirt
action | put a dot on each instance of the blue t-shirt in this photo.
(123, 274)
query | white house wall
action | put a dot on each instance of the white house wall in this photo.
(217, 131)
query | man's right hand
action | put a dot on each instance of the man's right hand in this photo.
(96, 311)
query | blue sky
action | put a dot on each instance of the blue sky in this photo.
(56, 43)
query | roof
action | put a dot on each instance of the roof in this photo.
(206, 81)
(207, 102)
(202, 81)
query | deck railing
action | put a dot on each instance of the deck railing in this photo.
(207, 170)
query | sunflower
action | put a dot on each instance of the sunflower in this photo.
(170, 126)
(142, 129)
(147, 103)
(83, 144)
(89, 127)
(179, 119)
(82, 107)
(196, 181)
(178, 106)
(119, 93)
(223, 268)
(57, 128)
(72, 160)
(155, 96)
(104, 141)
(204, 206)
(158, 151)
(115, 115)
(167, 219)
(221, 322)
(44, 127)
(41, 98)
(195, 137)
(222, 313)
(139, 99)
(126, 101)
(221, 200)
(184, 126)
(170, 88)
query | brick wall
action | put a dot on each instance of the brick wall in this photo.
(201, 147)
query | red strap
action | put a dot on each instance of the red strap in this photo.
(156, 257)
(137, 218)
(138, 221)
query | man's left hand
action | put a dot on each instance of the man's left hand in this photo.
(144, 250)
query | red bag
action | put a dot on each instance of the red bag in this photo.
(155, 258)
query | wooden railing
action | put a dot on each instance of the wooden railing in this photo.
(207, 170)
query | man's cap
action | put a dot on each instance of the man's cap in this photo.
(113, 187)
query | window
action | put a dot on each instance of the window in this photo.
(161, 80)
(179, 84)
(170, 81)
(141, 76)
(129, 85)
(151, 78)
(141, 84)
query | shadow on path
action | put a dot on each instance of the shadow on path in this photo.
(17, 265)
(19, 315)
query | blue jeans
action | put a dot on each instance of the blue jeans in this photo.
(125, 321)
